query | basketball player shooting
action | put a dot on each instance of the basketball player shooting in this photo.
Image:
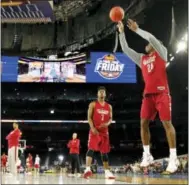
(13, 141)
(99, 118)
(156, 93)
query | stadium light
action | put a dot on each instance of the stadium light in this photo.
(61, 157)
(172, 58)
(182, 45)
(67, 53)
(52, 111)
(167, 64)
(186, 37)
(52, 57)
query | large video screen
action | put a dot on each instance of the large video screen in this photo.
(101, 68)
(65, 70)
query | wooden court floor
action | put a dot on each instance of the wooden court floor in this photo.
(96, 179)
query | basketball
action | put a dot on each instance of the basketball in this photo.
(116, 14)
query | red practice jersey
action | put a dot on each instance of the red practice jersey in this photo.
(101, 115)
(3, 160)
(31, 160)
(13, 138)
(154, 74)
(74, 146)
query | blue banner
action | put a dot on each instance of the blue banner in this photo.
(9, 69)
(110, 68)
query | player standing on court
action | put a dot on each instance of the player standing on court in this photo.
(99, 118)
(3, 162)
(13, 141)
(29, 164)
(74, 146)
(156, 93)
(37, 164)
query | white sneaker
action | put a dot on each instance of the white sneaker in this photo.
(71, 175)
(10, 174)
(109, 174)
(78, 175)
(173, 165)
(147, 159)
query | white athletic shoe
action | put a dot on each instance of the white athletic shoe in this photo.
(109, 174)
(147, 159)
(10, 174)
(173, 165)
(78, 175)
(71, 175)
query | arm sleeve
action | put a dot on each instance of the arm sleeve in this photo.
(160, 48)
(135, 57)
(69, 144)
(8, 136)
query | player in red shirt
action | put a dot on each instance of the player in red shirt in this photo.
(74, 146)
(99, 118)
(29, 163)
(13, 141)
(156, 92)
(3, 162)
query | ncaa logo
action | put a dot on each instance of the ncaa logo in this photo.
(109, 67)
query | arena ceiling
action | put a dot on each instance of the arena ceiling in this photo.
(32, 11)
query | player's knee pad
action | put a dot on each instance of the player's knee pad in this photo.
(104, 157)
(90, 153)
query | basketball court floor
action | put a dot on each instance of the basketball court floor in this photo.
(98, 179)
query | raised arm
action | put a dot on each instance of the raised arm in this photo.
(135, 57)
(156, 44)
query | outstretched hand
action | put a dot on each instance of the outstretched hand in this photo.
(132, 25)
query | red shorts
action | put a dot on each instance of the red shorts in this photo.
(18, 167)
(36, 165)
(153, 103)
(99, 142)
(3, 164)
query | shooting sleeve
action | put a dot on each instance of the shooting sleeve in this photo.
(135, 57)
(156, 44)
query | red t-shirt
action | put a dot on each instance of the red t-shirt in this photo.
(3, 160)
(13, 138)
(74, 146)
(31, 160)
(154, 74)
(101, 115)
